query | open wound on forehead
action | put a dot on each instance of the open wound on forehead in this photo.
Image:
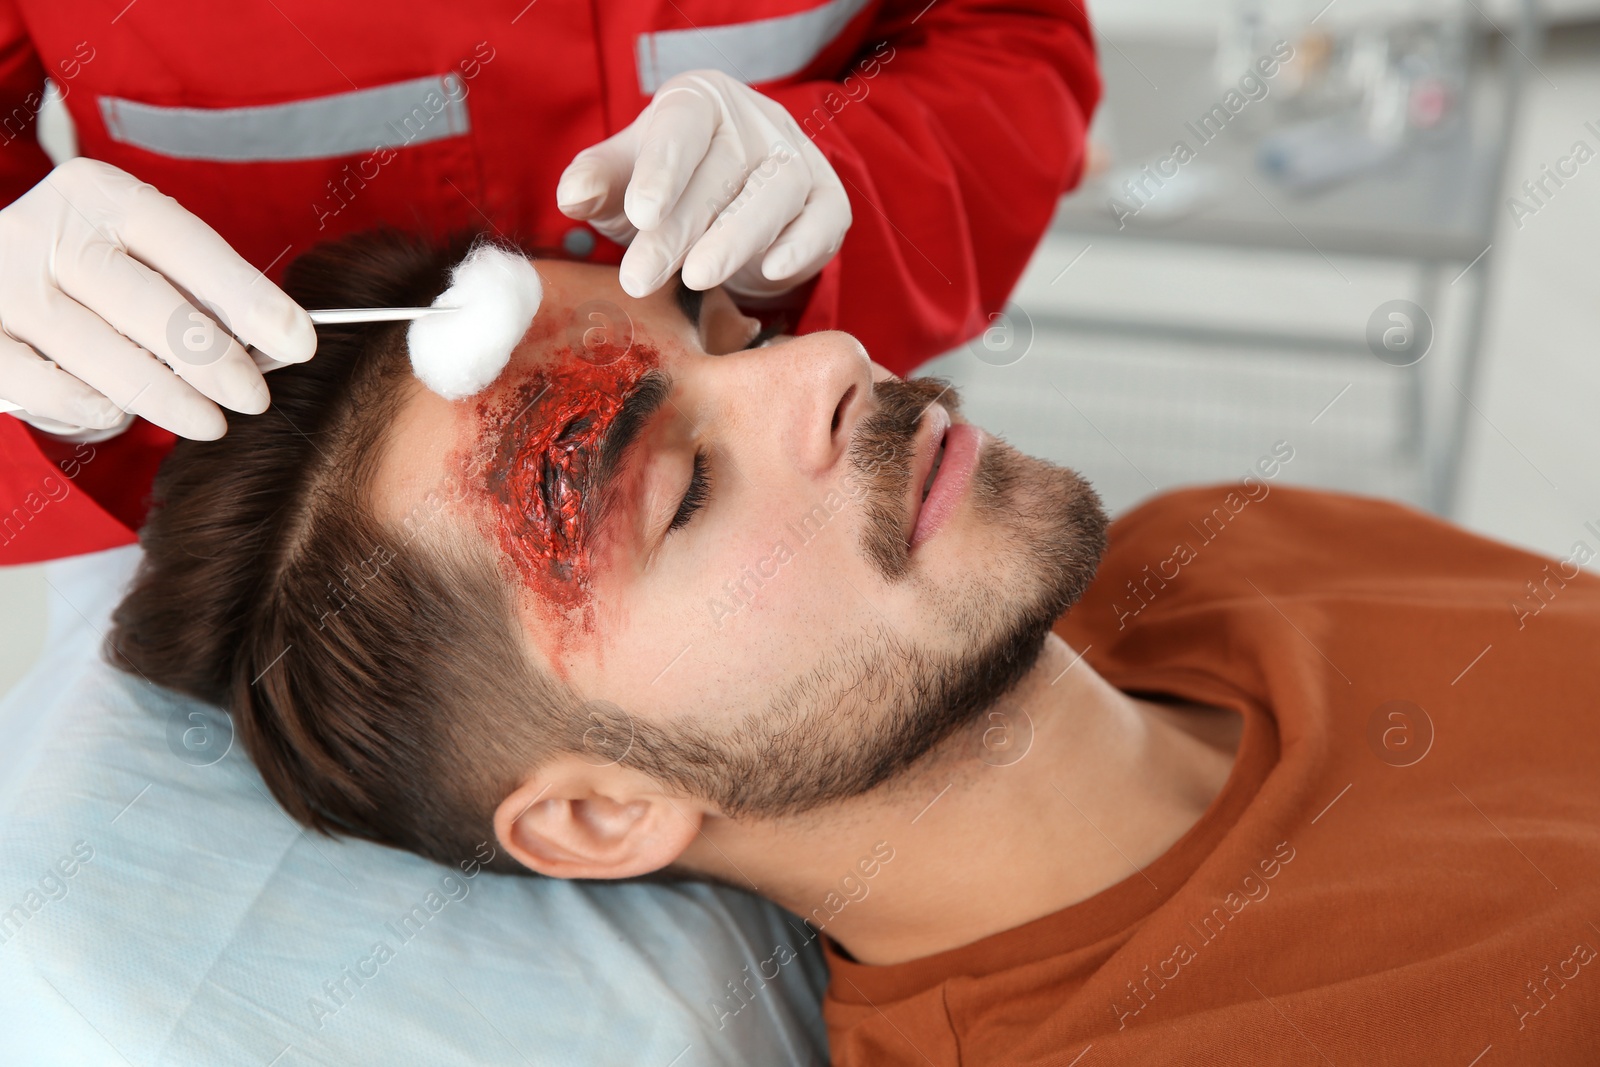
(535, 464)
(496, 293)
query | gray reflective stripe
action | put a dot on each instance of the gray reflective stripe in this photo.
(404, 113)
(753, 52)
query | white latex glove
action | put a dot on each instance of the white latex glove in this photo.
(109, 297)
(716, 179)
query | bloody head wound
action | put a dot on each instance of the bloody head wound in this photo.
(536, 465)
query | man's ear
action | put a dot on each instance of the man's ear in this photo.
(571, 819)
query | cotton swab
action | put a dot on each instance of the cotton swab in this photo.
(497, 292)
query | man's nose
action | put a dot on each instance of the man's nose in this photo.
(820, 389)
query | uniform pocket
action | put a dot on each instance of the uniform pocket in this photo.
(274, 179)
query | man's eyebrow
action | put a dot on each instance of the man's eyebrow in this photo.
(638, 408)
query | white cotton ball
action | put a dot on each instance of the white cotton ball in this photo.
(459, 353)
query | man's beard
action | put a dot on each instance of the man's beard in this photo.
(878, 703)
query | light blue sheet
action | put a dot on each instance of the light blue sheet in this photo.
(155, 909)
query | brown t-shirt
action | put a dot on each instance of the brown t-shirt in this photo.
(1404, 864)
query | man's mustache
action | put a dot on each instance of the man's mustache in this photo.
(881, 453)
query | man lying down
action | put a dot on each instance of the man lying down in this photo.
(1256, 775)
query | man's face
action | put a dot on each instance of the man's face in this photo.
(727, 551)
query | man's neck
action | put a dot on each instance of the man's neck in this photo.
(1068, 787)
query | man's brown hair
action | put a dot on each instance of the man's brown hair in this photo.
(374, 672)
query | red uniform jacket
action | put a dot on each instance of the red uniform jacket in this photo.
(955, 126)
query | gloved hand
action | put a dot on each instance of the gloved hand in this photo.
(102, 284)
(717, 179)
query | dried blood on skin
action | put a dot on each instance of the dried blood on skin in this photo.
(537, 444)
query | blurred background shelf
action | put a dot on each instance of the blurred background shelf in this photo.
(1179, 346)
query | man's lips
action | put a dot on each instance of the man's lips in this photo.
(945, 457)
